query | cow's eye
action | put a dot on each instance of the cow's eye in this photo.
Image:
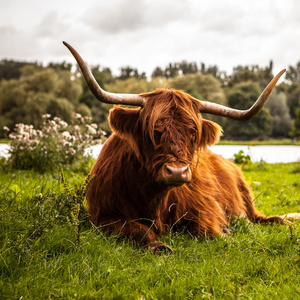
(157, 135)
(193, 132)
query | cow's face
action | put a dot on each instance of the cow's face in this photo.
(165, 134)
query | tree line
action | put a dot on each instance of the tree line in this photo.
(28, 90)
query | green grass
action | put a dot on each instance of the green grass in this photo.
(40, 258)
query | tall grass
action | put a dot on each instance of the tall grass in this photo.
(41, 257)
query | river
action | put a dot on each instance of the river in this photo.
(268, 154)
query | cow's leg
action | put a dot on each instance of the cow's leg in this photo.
(252, 214)
(133, 230)
(202, 229)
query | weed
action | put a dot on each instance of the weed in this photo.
(241, 158)
(296, 169)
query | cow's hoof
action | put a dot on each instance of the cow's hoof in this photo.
(160, 248)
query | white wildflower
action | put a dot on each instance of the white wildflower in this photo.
(57, 119)
(20, 128)
(77, 116)
(5, 128)
(66, 135)
(63, 124)
(94, 125)
(88, 119)
(71, 151)
(66, 143)
(39, 133)
(91, 129)
(12, 136)
(33, 133)
(25, 136)
(96, 142)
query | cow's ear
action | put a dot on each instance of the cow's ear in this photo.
(211, 133)
(123, 121)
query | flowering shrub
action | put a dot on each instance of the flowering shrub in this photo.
(56, 144)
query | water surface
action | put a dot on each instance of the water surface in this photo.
(269, 154)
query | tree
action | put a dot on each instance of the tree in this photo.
(62, 108)
(128, 72)
(39, 80)
(158, 72)
(293, 73)
(242, 96)
(10, 69)
(202, 87)
(205, 87)
(296, 128)
(177, 69)
(277, 106)
(214, 70)
(172, 70)
(293, 98)
(188, 68)
(64, 66)
(38, 91)
(69, 86)
(251, 73)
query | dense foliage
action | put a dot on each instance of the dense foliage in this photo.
(29, 90)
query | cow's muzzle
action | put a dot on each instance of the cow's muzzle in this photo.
(175, 175)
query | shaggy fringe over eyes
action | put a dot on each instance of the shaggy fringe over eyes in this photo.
(162, 105)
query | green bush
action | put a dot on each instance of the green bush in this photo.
(241, 158)
(55, 145)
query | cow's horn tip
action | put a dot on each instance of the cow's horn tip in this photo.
(284, 70)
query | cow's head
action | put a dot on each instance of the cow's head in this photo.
(167, 130)
(165, 134)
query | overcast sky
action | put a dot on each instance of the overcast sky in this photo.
(149, 33)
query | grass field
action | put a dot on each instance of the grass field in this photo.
(41, 258)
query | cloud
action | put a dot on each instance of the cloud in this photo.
(115, 16)
(148, 33)
(50, 25)
(16, 43)
(119, 16)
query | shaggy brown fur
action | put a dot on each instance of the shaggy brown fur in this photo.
(127, 196)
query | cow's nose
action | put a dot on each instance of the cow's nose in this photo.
(177, 175)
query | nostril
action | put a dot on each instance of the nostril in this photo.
(185, 171)
(176, 176)
(168, 171)
(176, 172)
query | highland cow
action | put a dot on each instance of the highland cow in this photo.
(155, 173)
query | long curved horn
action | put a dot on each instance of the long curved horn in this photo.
(241, 115)
(99, 93)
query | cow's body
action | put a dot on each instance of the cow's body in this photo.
(155, 173)
(126, 197)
